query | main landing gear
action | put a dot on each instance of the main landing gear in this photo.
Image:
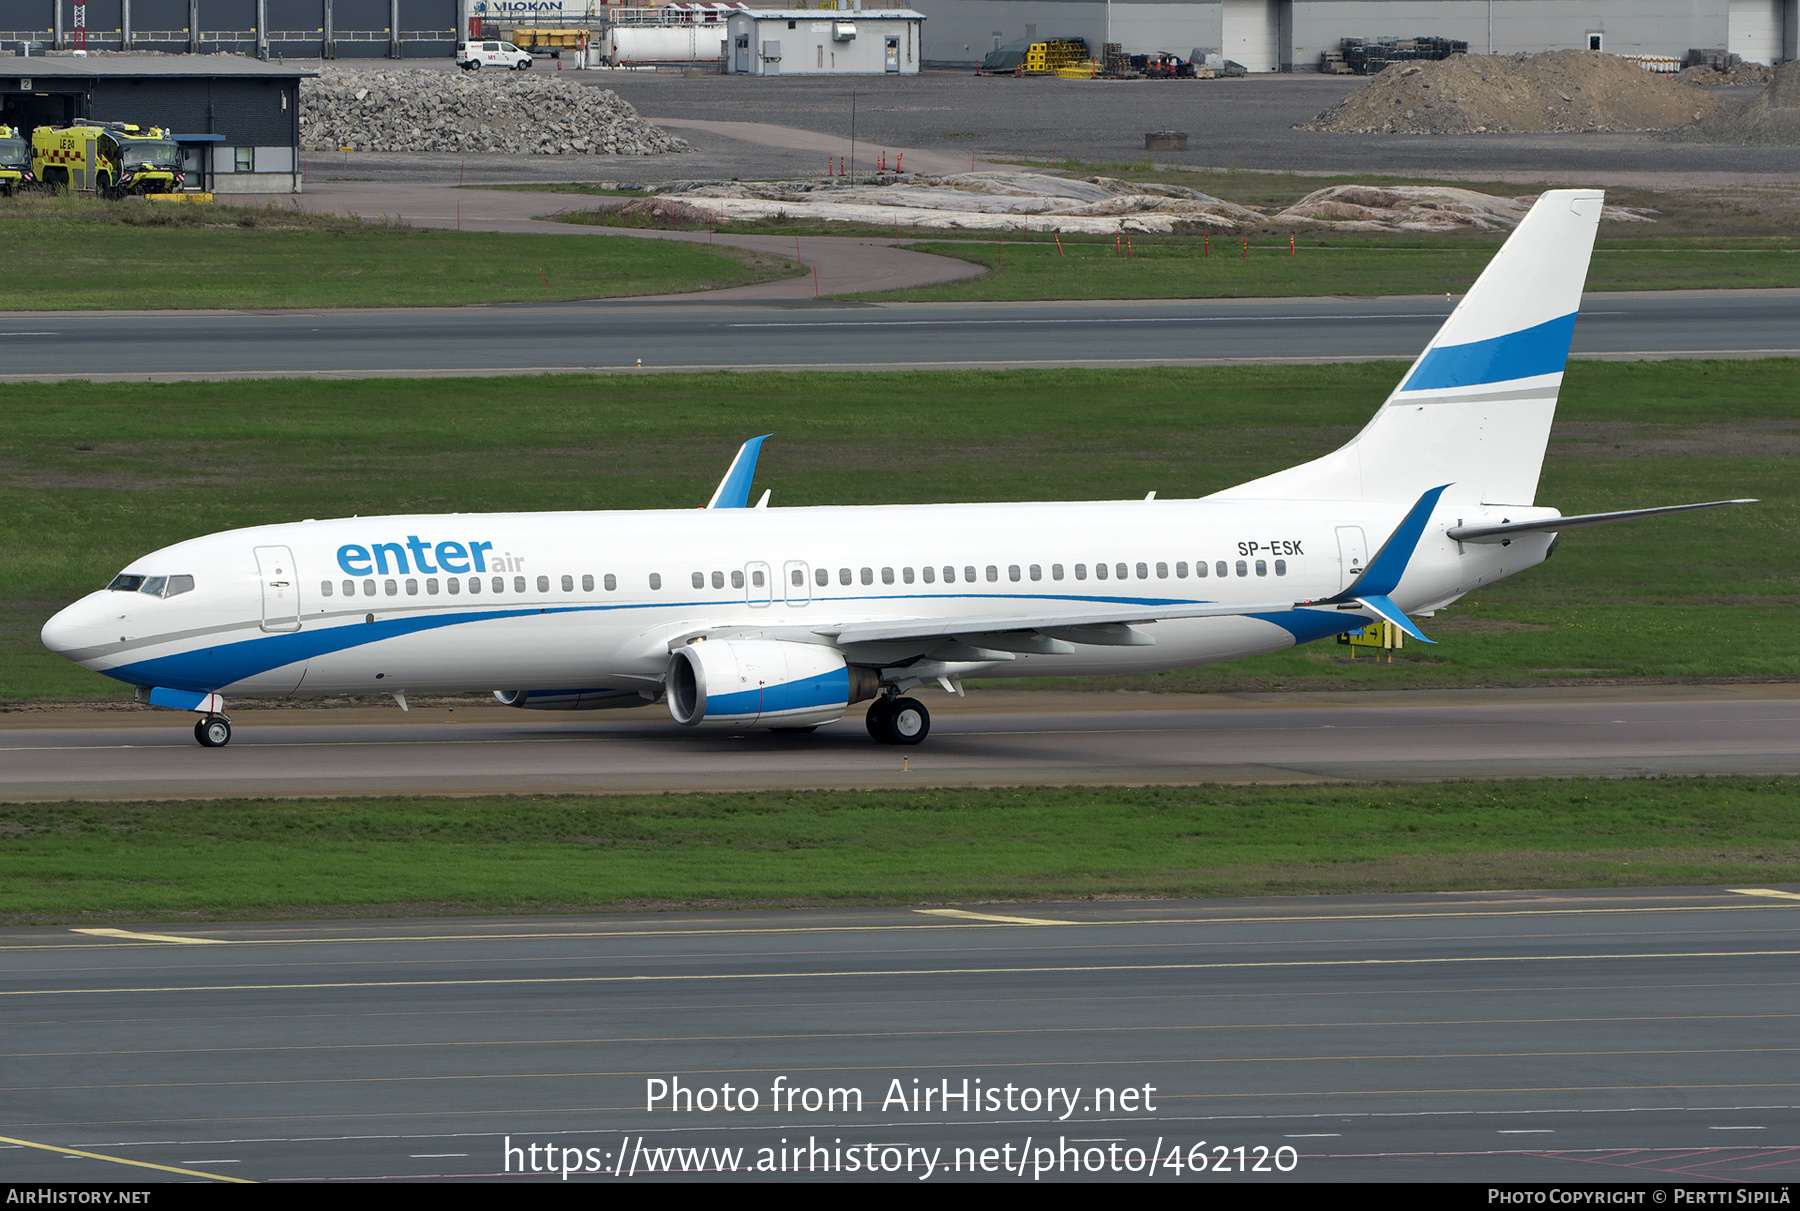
(214, 731)
(899, 720)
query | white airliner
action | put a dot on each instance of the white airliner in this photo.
(747, 617)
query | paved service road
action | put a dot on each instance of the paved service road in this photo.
(1298, 738)
(749, 335)
(1626, 1035)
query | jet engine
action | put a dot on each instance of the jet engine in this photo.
(763, 683)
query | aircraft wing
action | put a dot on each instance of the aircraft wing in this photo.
(1109, 627)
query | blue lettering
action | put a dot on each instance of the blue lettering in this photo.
(353, 559)
(419, 549)
(452, 558)
(476, 549)
(381, 554)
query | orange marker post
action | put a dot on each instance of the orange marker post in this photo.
(1058, 238)
(1291, 251)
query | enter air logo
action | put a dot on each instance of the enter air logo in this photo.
(418, 555)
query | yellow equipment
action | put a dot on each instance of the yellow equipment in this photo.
(107, 158)
(1055, 56)
(15, 162)
(1382, 636)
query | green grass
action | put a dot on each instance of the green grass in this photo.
(66, 254)
(1166, 267)
(94, 475)
(236, 859)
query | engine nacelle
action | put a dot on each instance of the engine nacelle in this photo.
(570, 700)
(762, 683)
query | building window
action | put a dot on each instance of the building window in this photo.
(243, 159)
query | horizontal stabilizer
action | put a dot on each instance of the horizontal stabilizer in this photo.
(1384, 608)
(1555, 525)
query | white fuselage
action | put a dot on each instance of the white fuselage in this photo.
(463, 602)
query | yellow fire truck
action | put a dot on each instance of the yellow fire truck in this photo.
(15, 162)
(108, 158)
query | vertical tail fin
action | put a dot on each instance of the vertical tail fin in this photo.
(1475, 409)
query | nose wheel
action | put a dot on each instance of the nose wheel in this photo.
(899, 721)
(213, 731)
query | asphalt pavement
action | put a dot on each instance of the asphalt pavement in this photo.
(701, 335)
(1570, 1037)
(1010, 740)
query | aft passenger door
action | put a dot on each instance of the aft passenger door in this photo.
(280, 589)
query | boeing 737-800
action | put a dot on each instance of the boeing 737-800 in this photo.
(744, 617)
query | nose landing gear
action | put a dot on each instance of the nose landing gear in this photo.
(898, 721)
(214, 731)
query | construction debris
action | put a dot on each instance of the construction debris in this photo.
(1563, 90)
(423, 109)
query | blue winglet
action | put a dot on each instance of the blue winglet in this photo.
(1375, 603)
(1383, 574)
(734, 490)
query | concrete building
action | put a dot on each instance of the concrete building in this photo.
(1290, 35)
(302, 29)
(811, 42)
(237, 120)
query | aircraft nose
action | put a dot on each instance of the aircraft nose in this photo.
(73, 627)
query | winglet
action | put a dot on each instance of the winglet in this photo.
(1384, 607)
(733, 491)
(1383, 574)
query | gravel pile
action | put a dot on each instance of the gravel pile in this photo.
(422, 109)
(1563, 90)
(1771, 118)
(1706, 76)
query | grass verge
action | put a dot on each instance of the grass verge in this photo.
(239, 859)
(1222, 267)
(69, 254)
(94, 475)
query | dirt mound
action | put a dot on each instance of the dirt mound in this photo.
(1559, 90)
(1770, 118)
(1424, 208)
(1705, 75)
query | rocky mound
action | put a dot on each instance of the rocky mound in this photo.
(1561, 90)
(423, 109)
(1424, 208)
(1770, 118)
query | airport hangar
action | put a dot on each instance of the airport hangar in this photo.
(237, 121)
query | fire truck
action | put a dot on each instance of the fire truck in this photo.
(15, 162)
(111, 159)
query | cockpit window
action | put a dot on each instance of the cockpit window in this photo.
(156, 586)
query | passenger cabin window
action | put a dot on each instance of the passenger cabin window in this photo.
(906, 574)
(821, 576)
(949, 574)
(453, 584)
(1056, 571)
(887, 576)
(699, 580)
(431, 586)
(568, 584)
(868, 575)
(611, 582)
(1181, 569)
(412, 587)
(1081, 571)
(1099, 571)
(1121, 570)
(499, 584)
(656, 580)
(324, 588)
(969, 574)
(1037, 571)
(543, 585)
(391, 587)
(1281, 567)
(930, 574)
(518, 584)
(349, 588)
(718, 580)
(587, 584)
(1143, 571)
(474, 584)
(756, 579)
(368, 588)
(1242, 568)
(737, 580)
(1200, 569)
(843, 575)
(1162, 571)
(1219, 567)
(798, 579)
(1262, 567)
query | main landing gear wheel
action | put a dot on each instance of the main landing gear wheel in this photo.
(213, 732)
(899, 721)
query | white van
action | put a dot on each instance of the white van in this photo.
(471, 55)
